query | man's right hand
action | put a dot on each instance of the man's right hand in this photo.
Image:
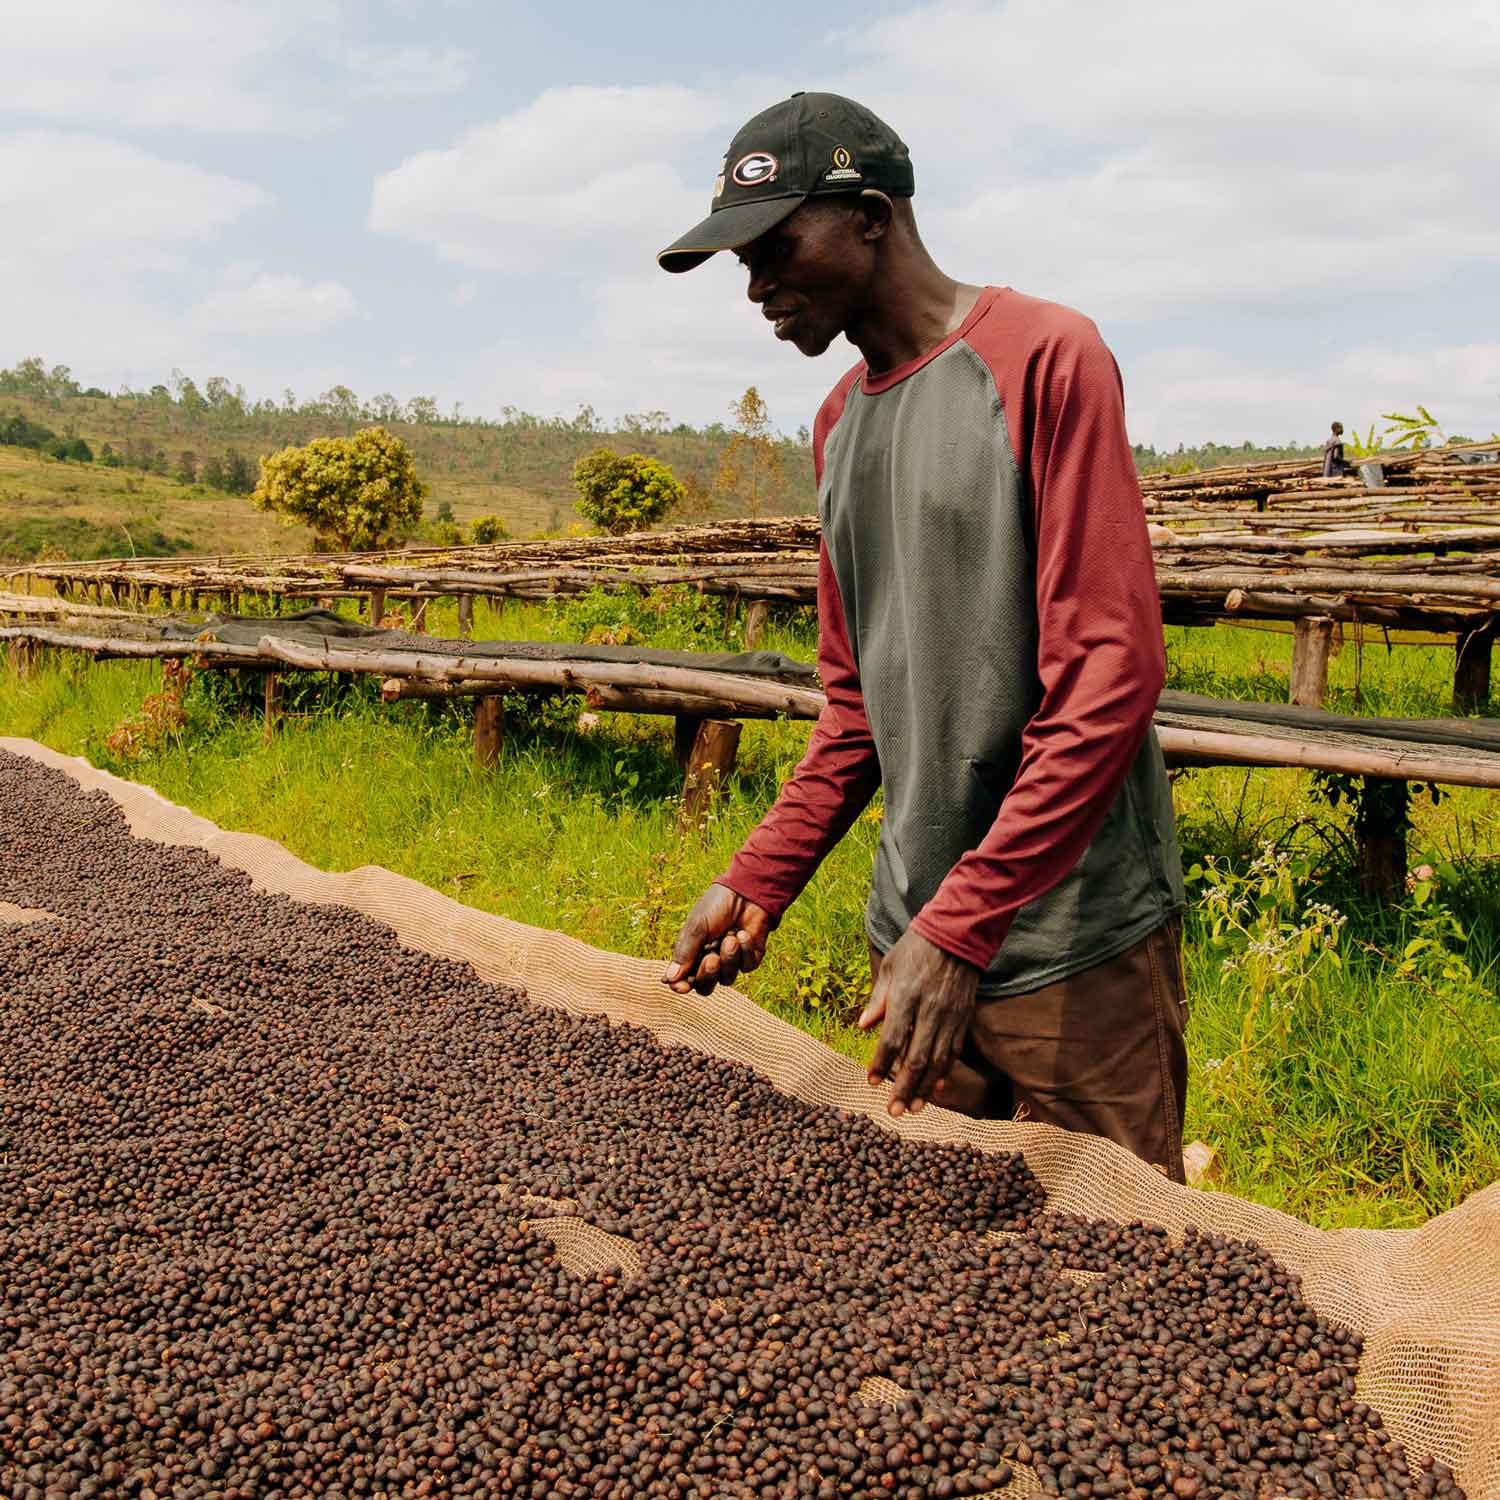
(723, 937)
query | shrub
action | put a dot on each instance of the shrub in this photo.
(624, 493)
(486, 529)
(358, 491)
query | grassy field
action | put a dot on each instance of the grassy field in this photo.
(84, 510)
(1345, 1055)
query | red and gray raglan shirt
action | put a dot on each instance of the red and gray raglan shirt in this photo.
(990, 643)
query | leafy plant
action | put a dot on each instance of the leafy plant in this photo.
(359, 491)
(624, 492)
(483, 530)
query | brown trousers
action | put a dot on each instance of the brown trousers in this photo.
(1102, 1052)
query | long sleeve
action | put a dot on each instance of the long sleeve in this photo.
(832, 784)
(1101, 661)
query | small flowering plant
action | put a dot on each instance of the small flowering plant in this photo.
(1283, 950)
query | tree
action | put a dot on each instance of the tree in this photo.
(187, 467)
(358, 491)
(486, 529)
(239, 474)
(626, 493)
(750, 467)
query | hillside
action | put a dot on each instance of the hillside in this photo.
(143, 448)
(169, 469)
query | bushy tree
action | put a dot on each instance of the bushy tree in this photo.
(358, 491)
(624, 492)
(484, 530)
(67, 448)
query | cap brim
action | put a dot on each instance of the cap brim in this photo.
(726, 229)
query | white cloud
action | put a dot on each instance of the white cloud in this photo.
(263, 304)
(1145, 162)
(274, 66)
(580, 178)
(406, 72)
(1199, 393)
(65, 194)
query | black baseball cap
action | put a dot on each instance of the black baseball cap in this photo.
(810, 145)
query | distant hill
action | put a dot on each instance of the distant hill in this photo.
(169, 469)
(181, 461)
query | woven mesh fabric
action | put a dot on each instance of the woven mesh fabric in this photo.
(1426, 1301)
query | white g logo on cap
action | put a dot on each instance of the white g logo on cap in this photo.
(754, 169)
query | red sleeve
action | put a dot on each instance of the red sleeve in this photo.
(1100, 652)
(837, 777)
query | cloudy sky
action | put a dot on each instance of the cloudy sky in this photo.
(1278, 212)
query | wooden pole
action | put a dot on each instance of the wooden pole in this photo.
(757, 611)
(714, 749)
(377, 605)
(419, 616)
(1471, 670)
(272, 713)
(466, 616)
(1313, 635)
(489, 731)
(571, 676)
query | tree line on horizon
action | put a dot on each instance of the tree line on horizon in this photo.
(33, 378)
(218, 397)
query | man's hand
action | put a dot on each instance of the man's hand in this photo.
(723, 937)
(923, 1001)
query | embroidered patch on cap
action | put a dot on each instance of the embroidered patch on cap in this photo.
(843, 169)
(754, 169)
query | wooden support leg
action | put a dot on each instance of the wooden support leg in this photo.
(757, 612)
(419, 616)
(684, 732)
(1380, 831)
(489, 731)
(466, 616)
(272, 708)
(1471, 671)
(1310, 647)
(377, 606)
(714, 750)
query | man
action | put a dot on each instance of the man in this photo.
(990, 644)
(1334, 466)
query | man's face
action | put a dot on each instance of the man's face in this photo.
(809, 273)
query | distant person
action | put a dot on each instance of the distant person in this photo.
(991, 646)
(1334, 466)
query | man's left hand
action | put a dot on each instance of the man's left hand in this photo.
(923, 1001)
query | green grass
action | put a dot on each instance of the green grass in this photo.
(1367, 1095)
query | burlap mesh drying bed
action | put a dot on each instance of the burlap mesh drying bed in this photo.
(1425, 1302)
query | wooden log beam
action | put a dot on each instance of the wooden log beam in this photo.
(571, 676)
(1311, 642)
(1198, 747)
(1415, 586)
(1248, 603)
(118, 648)
(694, 706)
